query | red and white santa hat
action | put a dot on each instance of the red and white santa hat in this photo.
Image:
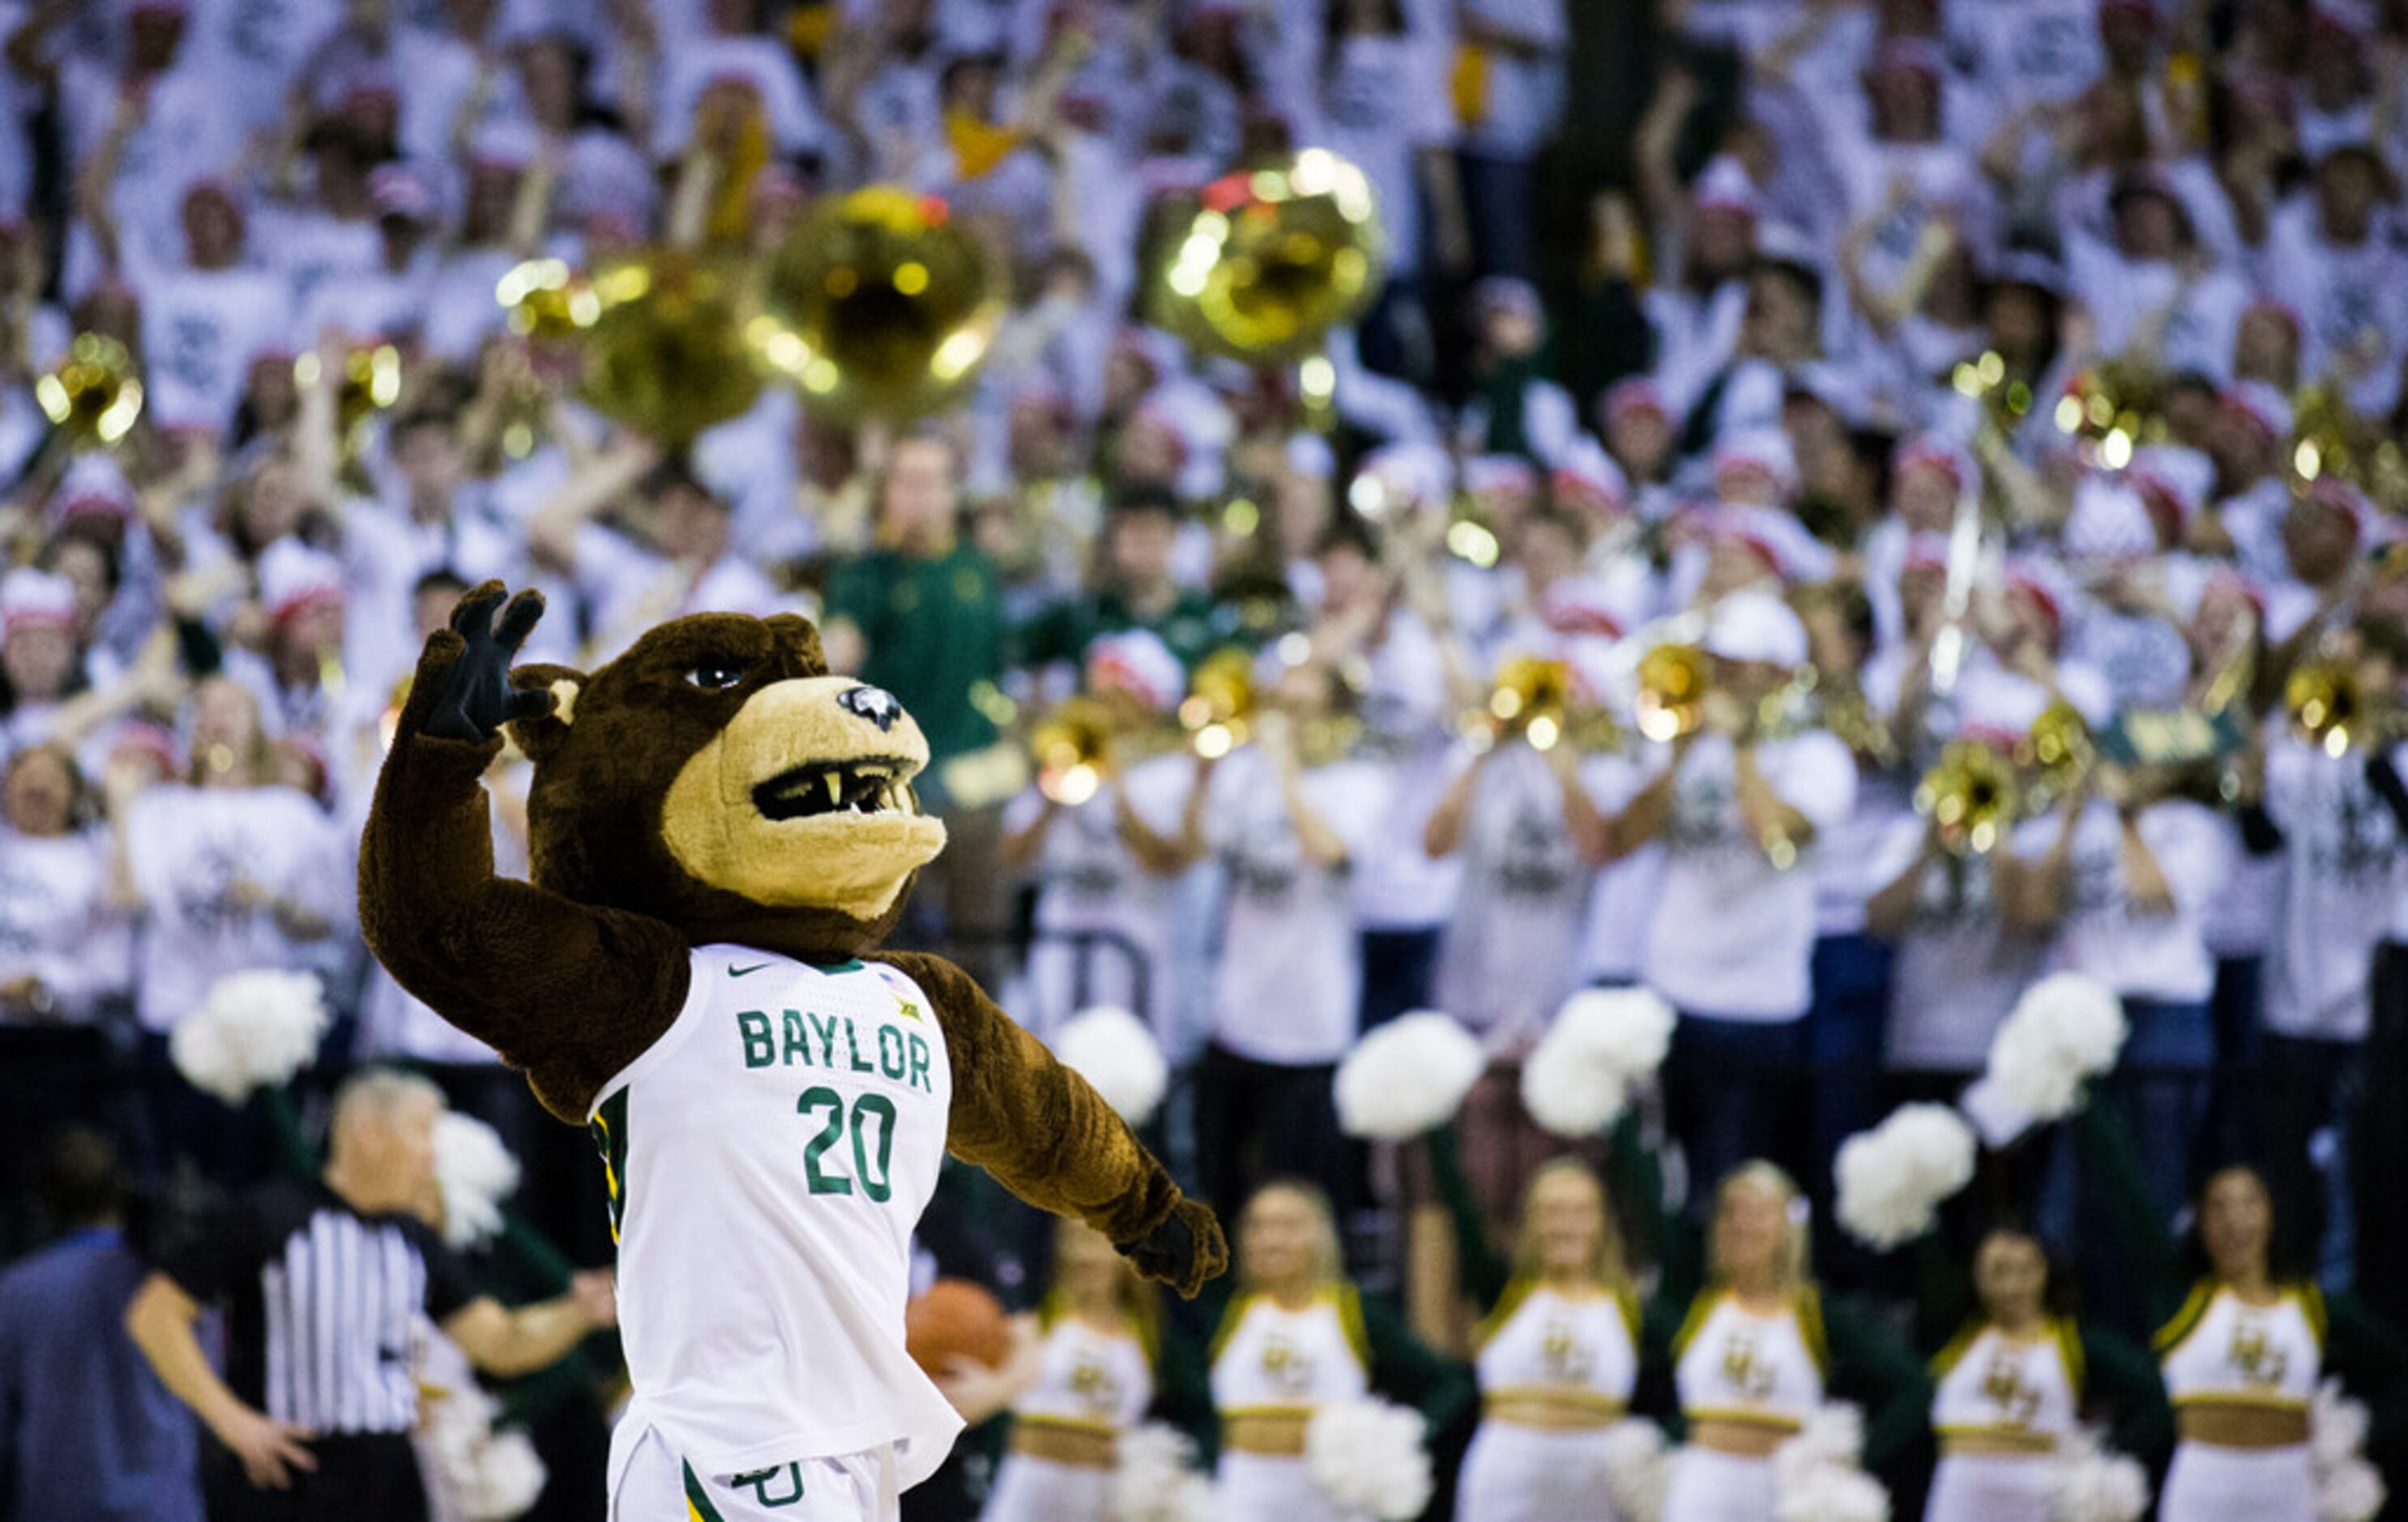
(1765, 453)
(1586, 480)
(1137, 663)
(92, 487)
(293, 577)
(1759, 628)
(35, 599)
(1724, 185)
(1778, 538)
(2260, 405)
(1633, 394)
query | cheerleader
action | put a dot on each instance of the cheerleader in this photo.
(1099, 1336)
(2009, 1386)
(2245, 1348)
(1557, 1345)
(1297, 1336)
(1761, 1350)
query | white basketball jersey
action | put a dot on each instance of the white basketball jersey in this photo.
(1558, 1343)
(1270, 1358)
(767, 1158)
(1736, 1366)
(2223, 1351)
(1990, 1385)
(1088, 1378)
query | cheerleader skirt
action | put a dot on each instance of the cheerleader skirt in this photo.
(1712, 1487)
(1032, 1489)
(1991, 1487)
(1530, 1475)
(1273, 1487)
(2208, 1484)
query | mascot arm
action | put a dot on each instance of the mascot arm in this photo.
(569, 993)
(1050, 1138)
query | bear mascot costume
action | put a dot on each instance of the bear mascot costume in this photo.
(722, 831)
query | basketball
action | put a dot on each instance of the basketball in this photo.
(955, 1318)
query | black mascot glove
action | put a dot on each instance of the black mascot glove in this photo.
(1184, 1251)
(477, 697)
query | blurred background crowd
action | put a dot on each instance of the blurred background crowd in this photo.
(1837, 509)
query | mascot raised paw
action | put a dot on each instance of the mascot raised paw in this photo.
(722, 832)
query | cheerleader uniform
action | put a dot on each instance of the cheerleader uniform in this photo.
(1271, 1369)
(1556, 1371)
(1733, 1365)
(2223, 1353)
(1092, 1385)
(2001, 1407)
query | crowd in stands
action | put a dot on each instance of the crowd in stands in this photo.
(1942, 375)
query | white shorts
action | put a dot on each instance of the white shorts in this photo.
(1032, 1489)
(1708, 1486)
(649, 1483)
(1993, 1487)
(1270, 1488)
(2208, 1484)
(1529, 1474)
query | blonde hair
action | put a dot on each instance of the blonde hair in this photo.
(377, 1094)
(1328, 1259)
(1138, 1301)
(1790, 1261)
(1608, 1265)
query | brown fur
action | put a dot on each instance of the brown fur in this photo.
(573, 976)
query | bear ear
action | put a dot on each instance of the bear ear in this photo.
(799, 638)
(541, 738)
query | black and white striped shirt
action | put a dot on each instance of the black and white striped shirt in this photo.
(322, 1305)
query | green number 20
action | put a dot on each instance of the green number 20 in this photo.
(876, 1181)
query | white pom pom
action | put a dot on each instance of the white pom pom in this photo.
(506, 1480)
(1155, 1480)
(1570, 1097)
(1407, 1076)
(2350, 1491)
(2093, 1485)
(2065, 1029)
(1111, 1049)
(1627, 1029)
(474, 1173)
(1830, 1493)
(2336, 1424)
(255, 1029)
(1367, 1456)
(1638, 1469)
(1893, 1179)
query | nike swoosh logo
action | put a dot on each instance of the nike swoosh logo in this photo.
(740, 972)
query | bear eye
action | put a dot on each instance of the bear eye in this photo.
(714, 676)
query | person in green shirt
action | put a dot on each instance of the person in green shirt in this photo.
(1135, 590)
(921, 616)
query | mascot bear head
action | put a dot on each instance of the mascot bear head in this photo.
(780, 795)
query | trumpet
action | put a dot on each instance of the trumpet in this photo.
(94, 393)
(1218, 713)
(1073, 750)
(2059, 748)
(2325, 704)
(1530, 699)
(1970, 794)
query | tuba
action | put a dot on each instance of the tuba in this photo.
(1219, 710)
(1969, 795)
(1072, 747)
(94, 393)
(879, 304)
(666, 351)
(1269, 259)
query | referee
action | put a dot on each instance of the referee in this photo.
(324, 1284)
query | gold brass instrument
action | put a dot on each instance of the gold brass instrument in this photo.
(1673, 679)
(1072, 746)
(666, 352)
(549, 303)
(1218, 713)
(2110, 408)
(94, 394)
(879, 304)
(1530, 699)
(2323, 700)
(1270, 258)
(2005, 403)
(2059, 750)
(1969, 795)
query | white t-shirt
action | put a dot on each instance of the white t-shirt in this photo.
(189, 848)
(2140, 955)
(1380, 102)
(1523, 102)
(201, 330)
(1397, 885)
(1291, 970)
(2033, 51)
(56, 924)
(1510, 953)
(1087, 880)
(1959, 972)
(1732, 935)
(2341, 864)
(628, 589)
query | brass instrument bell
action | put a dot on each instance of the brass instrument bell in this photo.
(94, 394)
(1272, 257)
(1073, 748)
(667, 351)
(1672, 680)
(1219, 710)
(1970, 794)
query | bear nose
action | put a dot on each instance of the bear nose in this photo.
(876, 704)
